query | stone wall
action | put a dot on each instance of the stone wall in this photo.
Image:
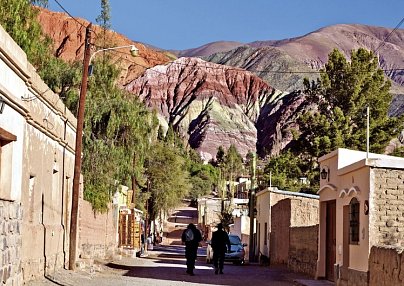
(303, 249)
(97, 232)
(10, 243)
(386, 266)
(387, 208)
(386, 228)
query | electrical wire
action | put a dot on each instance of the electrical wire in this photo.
(238, 69)
(388, 36)
(68, 13)
(227, 68)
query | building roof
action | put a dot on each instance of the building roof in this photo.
(349, 160)
(296, 194)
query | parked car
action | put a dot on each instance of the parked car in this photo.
(236, 253)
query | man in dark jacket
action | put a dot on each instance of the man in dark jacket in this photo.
(191, 237)
(220, 240)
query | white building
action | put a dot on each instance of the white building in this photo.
(37, 135)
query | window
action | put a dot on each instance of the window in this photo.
(6, 163)
(31, 197)
(354, 207)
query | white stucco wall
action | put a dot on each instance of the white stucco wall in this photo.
(263, 216)
(349, 177)
(37, 168)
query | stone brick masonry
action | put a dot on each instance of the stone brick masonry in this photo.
(386, 266)
(387, 224)
(10, 243)
(386, 262)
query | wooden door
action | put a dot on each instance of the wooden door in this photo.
(330, 240)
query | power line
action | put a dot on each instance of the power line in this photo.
(388, 36)
(68, 13)
(227, 68)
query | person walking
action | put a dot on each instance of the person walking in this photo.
(220, 240)
(191, 237)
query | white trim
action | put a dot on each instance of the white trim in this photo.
(328, 186)
(348, 192)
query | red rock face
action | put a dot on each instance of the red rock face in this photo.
(210, 104)
(68, 37)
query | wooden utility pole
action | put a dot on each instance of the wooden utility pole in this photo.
(78, 150)
(251, 255)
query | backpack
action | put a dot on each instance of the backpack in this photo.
(189, 235)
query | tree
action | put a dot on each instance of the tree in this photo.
(233, 166)
(105, 17)
(342, 94)
(104, 20)
(203, 179)
(168, 177)
(118, 132)
(220, 156)
(284, 172)
(19, 19)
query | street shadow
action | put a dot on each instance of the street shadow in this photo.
(175, 271)
(169, 270)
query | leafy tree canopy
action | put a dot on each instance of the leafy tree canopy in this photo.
(343, 93)
(168, 177)
(118, 132)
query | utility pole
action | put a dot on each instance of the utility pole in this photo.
(367, 131)
(77, 158)
(251, 255)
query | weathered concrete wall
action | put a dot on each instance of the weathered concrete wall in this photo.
(386, 266)
(303, 249)
(97, 232)
(10, 243)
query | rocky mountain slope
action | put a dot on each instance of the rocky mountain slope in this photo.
(68, 37)
(313, 48)
(216, 102)
(269, 63)
(287, 62)
(208, 49)
(210, 104)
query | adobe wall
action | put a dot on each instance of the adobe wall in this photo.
(386, 233)
(386, 266)
(387, 208)
(294, 231)
(303, 249)
(97, 232)
(279, 235)
(10, 243)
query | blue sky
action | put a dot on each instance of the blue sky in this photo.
(183, 24)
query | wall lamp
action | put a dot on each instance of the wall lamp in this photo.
(2, 104)
(325, 173)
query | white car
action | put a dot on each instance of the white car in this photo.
(236, 253)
